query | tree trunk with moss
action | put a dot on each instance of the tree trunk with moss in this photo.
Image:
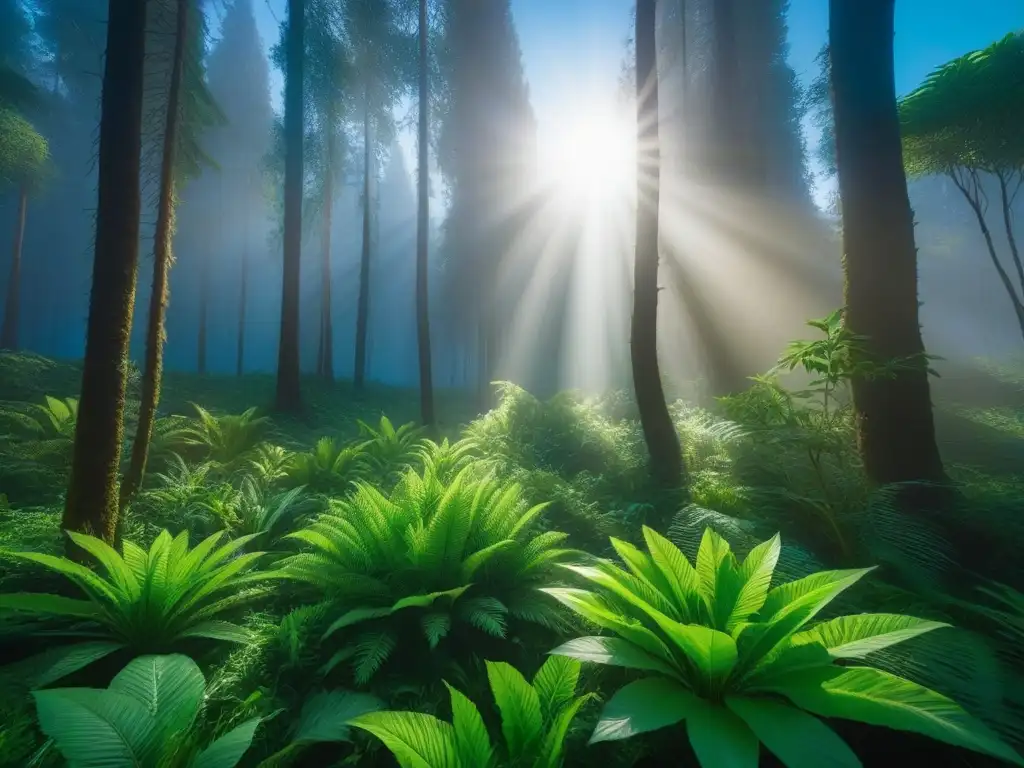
(92, 499)
(12, 306)
(895, 425)
(163, 257)
(659, 432)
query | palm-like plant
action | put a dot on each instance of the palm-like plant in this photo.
(269, 463)
(146, 718)
(739, 661)
(147, 602)
(47, 431)
(262, 514)
(223, 439)
(535, 720)
(444, 460)
(430, 560)
(330, 468)
(390, 451)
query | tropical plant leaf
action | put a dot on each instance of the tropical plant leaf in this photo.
(415, 739)
(228, 749)
(642, 706)
(854, 637)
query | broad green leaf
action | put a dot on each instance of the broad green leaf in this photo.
(592, 607)
(875, 697)
(613, 651)
(713, 557)
(96, 728)
(171, 688)
(116, 568)
(854, 637)
(326, 716)
(789, 607)
(521, 719)
(471, 739)
(555, 683)
(219, 630)
(640, 564)
(554, 740)
(720, 739)
(798, 739)
(642, 706)
(755, 577)
(713, 652)
(415, 739)
(227, 750)
(55, 663)
(784, 661)
(677, 571)
(54, 605)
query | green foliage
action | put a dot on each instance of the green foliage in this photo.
(226, 439)
(535, 721)
(429, 563)
(330, 468)
(24, 153)
(724, 645)
(143, 719)
(390, 451)
(967, 113)
(147, 602)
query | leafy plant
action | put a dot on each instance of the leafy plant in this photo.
(222, 439)
(330, 468)
(326, 717)
(147, 602)
(430, 560)
(390, 450)
(269, 464)
(535, 720)
(262, 514)
(144, 719)
(445, 460)
(740, 662)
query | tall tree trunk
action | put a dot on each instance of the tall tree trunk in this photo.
(895, 427)
(423, 234)
(12, 307)
(289, 394)
(91, 505)
(243, 297)
(659, 432)
(326, 326)
(363, 306)
(163, 257)
(204, 308)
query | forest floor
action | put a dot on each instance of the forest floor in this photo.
(752, 473)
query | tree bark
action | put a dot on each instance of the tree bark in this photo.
(363, 306)
(423, 234)
(895, 425)
(91, 505)
(243, 297)
(12, 307)
(289, 394)
(659, 432)
(163, 258)
(326, 326)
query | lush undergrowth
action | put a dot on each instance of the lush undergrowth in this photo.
(339, 589)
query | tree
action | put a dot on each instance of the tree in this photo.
(895, 425)
(486, 151)
(964, 122)
(178, 152)
(289, 394)
(384, 61)
(423, 228)
(92, 503)
(659, 432)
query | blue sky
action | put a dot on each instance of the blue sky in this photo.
(578, 44)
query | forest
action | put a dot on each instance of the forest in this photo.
(401, 422)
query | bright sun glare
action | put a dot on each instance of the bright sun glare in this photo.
(590, 158)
